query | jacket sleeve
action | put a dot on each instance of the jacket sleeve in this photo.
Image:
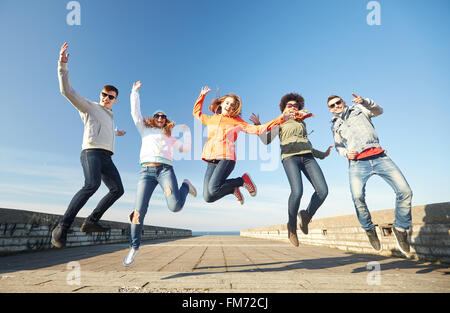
(261, 129)
(370, 108)
(184, 146)
(267, 138)
(318, 154)
(136, 110)
(82, 104)
(339, 144)
(197, 112)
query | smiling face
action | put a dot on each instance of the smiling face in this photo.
(336, 105)
(227, 106)
(108, 98)
(160, 119)
(291, 107)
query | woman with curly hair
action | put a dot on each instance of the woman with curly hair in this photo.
(156, 161)
(219, 150)
(298, 155)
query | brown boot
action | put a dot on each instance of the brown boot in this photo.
(292, 235)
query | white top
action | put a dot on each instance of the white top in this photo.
(156, 146)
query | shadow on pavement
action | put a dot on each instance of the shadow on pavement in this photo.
(322, 263)
(47, 258)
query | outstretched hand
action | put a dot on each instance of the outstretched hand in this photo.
(357, 99)
(255, 119)
(205, 90)
(137, 85)
(303, 114)
(327, 153)
(120, 132)
(63, 57)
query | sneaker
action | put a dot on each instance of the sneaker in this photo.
(292, 235)
(402, 240)
(304, 221)
(93, 227)
(192, 189)
(59, 236)
(130, 257)
(237, 193)
(373, 239)
(249, 185)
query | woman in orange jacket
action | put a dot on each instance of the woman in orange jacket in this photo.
(219, 150)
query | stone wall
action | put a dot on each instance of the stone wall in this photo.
(27, 231)
(429, 236)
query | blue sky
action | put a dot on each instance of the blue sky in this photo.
(259, 50)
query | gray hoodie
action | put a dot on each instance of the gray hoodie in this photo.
(98, 120)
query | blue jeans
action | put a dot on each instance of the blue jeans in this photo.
(382, 165)
(216, 185)
(149, 178)
(294, 166)
(97, 167)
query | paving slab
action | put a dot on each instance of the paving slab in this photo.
(217, 264)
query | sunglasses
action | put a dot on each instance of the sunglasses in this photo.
(331, 106)
(160, 116)
(290, 105)
(111, 97)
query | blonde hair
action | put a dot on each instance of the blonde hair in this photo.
(216, 105)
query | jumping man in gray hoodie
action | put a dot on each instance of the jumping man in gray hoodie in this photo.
(97, 149)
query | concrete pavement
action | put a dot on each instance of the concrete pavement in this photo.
(219, 264)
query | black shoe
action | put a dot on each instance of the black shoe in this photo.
(292, 235)
(402, 240)
(304, 221)
(93, 227)
(59, 236)
(373, 239)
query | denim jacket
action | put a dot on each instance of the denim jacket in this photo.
(353, 128)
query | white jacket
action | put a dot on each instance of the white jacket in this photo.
(156, 146)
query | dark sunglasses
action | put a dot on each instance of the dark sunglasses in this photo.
(160, 116)
(111, 97)
(292, 105)
(331, 106)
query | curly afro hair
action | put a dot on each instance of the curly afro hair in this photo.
(292, 97)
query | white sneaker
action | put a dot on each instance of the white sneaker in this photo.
(192, 189)
(130, 257)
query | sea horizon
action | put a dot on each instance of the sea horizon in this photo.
(216, 233)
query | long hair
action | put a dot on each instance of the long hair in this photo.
(167, 128)
(216, 105)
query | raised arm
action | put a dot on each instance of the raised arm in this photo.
(197, 112)
(136, 106)
(77, 101)
(370, 108)
(267, 137)
(261, 129)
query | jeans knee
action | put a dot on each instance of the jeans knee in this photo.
(207, 197)
(118, 191)
(176, 207)
(405, 194)
(322, 193)
(91, 188)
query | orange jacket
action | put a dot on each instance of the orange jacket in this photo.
(223, 132)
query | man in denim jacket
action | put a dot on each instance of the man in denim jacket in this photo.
(355, 138)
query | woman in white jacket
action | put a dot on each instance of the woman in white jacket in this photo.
(156, 161)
